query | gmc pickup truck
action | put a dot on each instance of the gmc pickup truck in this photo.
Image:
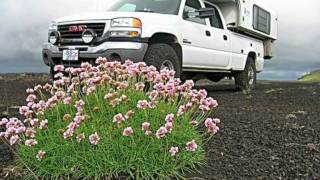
(196, 38)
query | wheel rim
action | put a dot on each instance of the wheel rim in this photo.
(167, 65)
(251, 76)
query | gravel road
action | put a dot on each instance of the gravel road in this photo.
(273, 133)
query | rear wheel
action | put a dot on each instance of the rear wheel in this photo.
(246, 80)
(163, 56)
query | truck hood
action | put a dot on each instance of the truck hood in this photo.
(107, 16)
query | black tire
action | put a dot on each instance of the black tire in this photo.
(158, 54)
(246, 80)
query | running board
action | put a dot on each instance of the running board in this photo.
(205, 70)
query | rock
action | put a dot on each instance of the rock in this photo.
(312, 147)
(291, 116)
(303, 113)
(1, 78)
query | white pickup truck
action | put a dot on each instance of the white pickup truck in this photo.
(197, 38)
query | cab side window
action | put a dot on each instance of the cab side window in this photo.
(191, 6)
(215, 21)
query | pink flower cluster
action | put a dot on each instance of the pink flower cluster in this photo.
(14, 128)
(87, 80)
(211, 124)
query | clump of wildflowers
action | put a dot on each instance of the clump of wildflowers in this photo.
(105, 118)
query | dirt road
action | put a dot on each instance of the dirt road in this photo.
(273, 133)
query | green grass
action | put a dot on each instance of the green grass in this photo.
(312, 77)
(136, 157)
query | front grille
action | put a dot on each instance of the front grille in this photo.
(74, 38)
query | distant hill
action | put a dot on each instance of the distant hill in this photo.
(311, 77)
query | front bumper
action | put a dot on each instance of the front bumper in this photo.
(119, 51)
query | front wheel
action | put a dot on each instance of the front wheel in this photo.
(163, 56)
(246, 80)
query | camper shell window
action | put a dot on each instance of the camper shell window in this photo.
(261, 19)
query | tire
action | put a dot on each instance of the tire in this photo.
(163, 56)
(246, 80)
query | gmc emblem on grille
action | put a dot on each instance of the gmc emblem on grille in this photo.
(79, 28)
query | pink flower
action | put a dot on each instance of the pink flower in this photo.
(152, 105)
(81, 137)
(169, 126)
(181, 110)
(3, 121)
(143, 104)
(145, 126)
(161, 132)
(67, 100)
(43, 124)
(14, 140)
(30, 142)
(169, 118)
(90, 90)
(58, 75)
(124, 98)
(31, 98)
(194, 123)
(115, 102)
(139, 86)
(127, 131)
(211, 125)
(148, 133)
(38, 87)
(94, 139)
(209, 122)
(33, 122)
(30, 91)
(191, 146)
(173, 151)
(30, 132)
(153, 95)
(23, 110)
(129, 114)
(118, 119)
(212, 103)
(58, 68)
(40, 155)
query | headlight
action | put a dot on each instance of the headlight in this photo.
(54, 37)
(88, 36)
(125, 27)
(126, 22)
(53, 27)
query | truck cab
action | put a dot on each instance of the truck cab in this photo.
(196, 38)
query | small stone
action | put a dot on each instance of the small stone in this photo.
(303, 113)
(312, 147)
(291, 116)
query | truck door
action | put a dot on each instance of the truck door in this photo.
(220, 42)
(195, 36)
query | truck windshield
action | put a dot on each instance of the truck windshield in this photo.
(152, 6)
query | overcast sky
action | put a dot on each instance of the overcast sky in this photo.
(24, 26)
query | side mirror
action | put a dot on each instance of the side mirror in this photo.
(201, 13)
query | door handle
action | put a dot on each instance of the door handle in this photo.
(225, 37)
(208, 33)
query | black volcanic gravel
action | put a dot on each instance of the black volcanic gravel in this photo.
(273, 133)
